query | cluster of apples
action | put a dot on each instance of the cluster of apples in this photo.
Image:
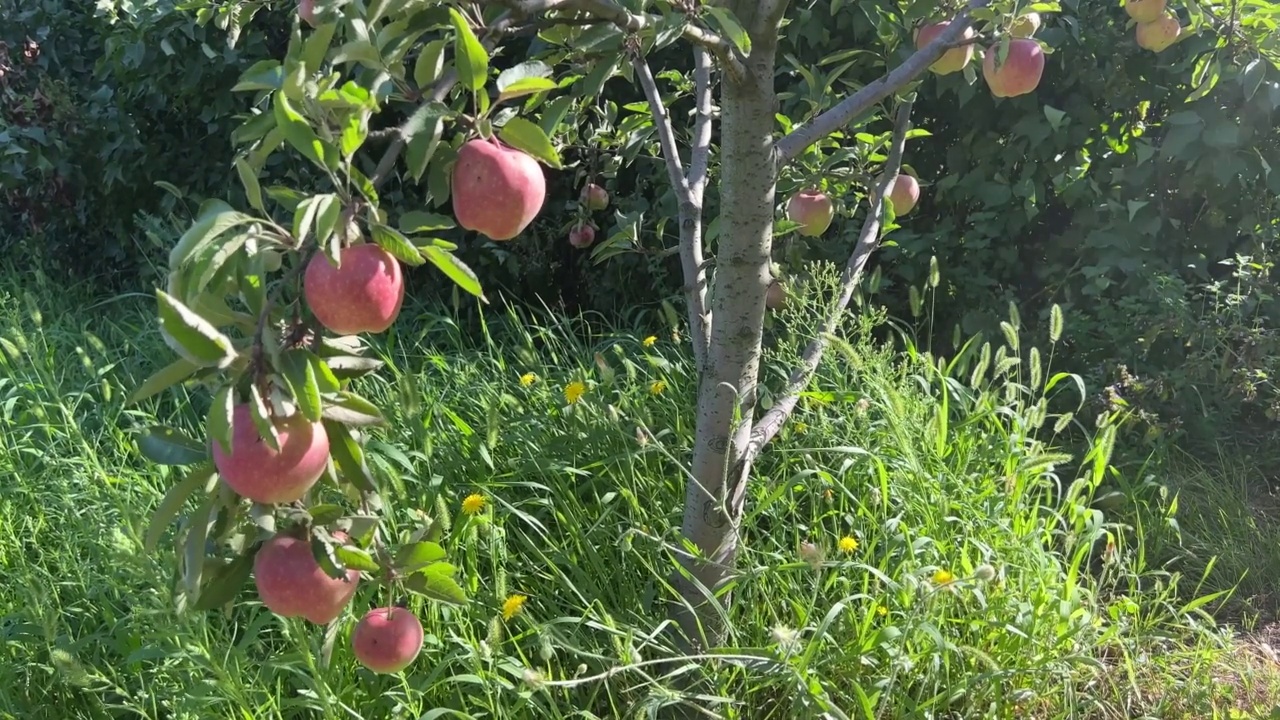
(1157, 28)
(593, 198)
(1018, 74)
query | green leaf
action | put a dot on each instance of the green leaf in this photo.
(730, 26)
(526, 78)
(436, 582)
(215, 218)
(359, 51)
(262, 419)
(262, 75)
(345, 367)
(325, 555)
(354, 132)
(430, 64)
(527, 136)
(419, 555)
(417, 221)
(328, 213)
(554, 113)
(421, 149)
(218, 423)
(300, 135)
(348, 457)
(398, 245)
(325, 514)
(292, 362)
(455, 269)
(317, 45)
(354, 558)
(167, 446)
(191, 336)
(223, 584)
(201, 476)
(249, 179)
(193, 549)
(470, 57)
(351, 409)
(304, 386)
(164, 378)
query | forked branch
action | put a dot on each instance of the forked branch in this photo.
(795, 143)
(868, 240)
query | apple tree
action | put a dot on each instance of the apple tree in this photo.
(268, 305)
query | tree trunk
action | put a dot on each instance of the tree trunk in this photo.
(726, 396)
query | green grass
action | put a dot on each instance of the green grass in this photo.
(926, 472)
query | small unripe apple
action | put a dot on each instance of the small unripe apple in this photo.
(775, 298)
(1159, 34)
(813, 210)
(595, 198)
(387, 640)
(581, 236)
(1145, 11)
(952, 60)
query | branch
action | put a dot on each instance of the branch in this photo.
(688, 192)
(607, 10)
(868, 241)
(790, 147)
(438, 93)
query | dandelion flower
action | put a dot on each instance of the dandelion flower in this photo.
(811, 554)
(657, 387)
(800, 428)
(512, 606)
(848, 544)
(882, 610)
(649, 341)
(943, 577)
(528, 379)
(473, 504)
(573, 391)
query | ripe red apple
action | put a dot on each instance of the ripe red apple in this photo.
(1159, 34)
(904, 194)
(262, 474)
(1020, 72)
(582, 236)
(813, 209)
(497, 190)
(1026, 26)
(954, 59)
(594, 197)
(292, 584)
(307, 11)
(775, 298)
(1145, 11)
(364, 294)
(387, 640)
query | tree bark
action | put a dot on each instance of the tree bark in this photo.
(727, 392)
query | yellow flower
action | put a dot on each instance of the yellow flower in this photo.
(649, 341)
(657, 387)
(512, 606)
(573, 391)
(848, 544)
(800, 428)
(882, 610)
(528, 379)
(943, 577)
(473, 504)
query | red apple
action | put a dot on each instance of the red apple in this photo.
(291, 583)
(1026, 26)
(387, 640)
(952, 60)
(813, 209)
(1145, 11)
(595, 198)
(775, 298)
(307, 11)
(497, 190)
(1020, 72)
(264, 475)
(582, 236)
(904, 194)
(1159, 34)
(363, 294)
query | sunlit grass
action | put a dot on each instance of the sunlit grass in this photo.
(900, 562)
